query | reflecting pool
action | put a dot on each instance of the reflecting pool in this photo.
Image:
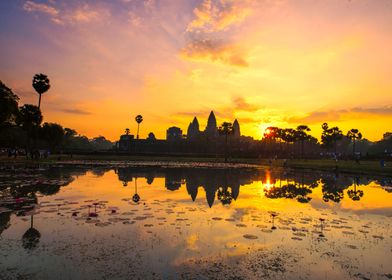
(121, 222)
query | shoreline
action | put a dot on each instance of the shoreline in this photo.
(372, 168)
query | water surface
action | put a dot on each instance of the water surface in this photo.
(192, 223)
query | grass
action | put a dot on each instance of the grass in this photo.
(344, 166)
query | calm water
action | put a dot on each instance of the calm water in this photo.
(82, 223)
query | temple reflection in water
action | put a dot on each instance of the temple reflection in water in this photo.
(224, 184)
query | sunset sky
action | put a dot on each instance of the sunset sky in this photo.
(264, 62)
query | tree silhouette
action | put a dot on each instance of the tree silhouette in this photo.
(53, 133)
(29, 118)
(302, 136)
(41, 85)
(8, 105)
(138, 119)
(330, 136)
(272, 133)
(354, 135)
(331, 191)
(151, 136)
(291, 191)
(136, 197)
(226, 129)
(225, 196)
(31, 237)
(355, 194)
(127, 131)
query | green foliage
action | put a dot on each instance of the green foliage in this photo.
(330, 136)
(139, 119)
(29, 116)
(41, 83)
(101, 143)
(301, 193)
(226, 129)
(8, 105)
(354, 135)
(53, 133)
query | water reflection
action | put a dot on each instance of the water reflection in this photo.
(221, 184)
(32, 236)
(265, 223)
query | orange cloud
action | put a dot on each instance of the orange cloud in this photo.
(82, 13)
(242, 105)
(31, 6)
(340, 115)
(215, 15)
(214, 50)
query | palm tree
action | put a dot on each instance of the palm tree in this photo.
(330, 136)
(225, 196)
(41, 85)
(355, 194)
(127, 131)
(138, 119)
(226, 129)
(136, 197)
(31, 237)
(354, 135)
(302, 135)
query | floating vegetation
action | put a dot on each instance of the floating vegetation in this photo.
(166, 236)
(250, 236)
(241, 225)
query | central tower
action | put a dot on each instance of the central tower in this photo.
(211, 128)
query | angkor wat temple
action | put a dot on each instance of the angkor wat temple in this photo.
(211, 129)
(196, 142)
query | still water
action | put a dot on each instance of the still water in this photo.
(119, 222)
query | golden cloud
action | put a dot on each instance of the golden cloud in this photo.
(339, 115)
(83, 13)
(214, 50)
(217, 15)
(31, 6)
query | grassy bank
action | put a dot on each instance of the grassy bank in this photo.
(344, 166)
(349, 166)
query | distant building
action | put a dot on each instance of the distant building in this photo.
(211, 128)
(125, 142)
(173, 133)
(197, 141)
(193, 129)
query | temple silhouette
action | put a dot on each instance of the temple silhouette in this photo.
(195, 141)
(220, 184)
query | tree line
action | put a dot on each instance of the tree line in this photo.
(332, 141)
(22, 127)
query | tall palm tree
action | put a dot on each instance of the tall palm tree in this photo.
(41, 85)
(225, 196)
(355, 194)
(138, 119)
(354, 135)
(136, 197)
(330, 136)
(31, 237)
(302, 135)
(226, 129)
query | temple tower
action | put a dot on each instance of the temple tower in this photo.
(236, 129)
(212, 128)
